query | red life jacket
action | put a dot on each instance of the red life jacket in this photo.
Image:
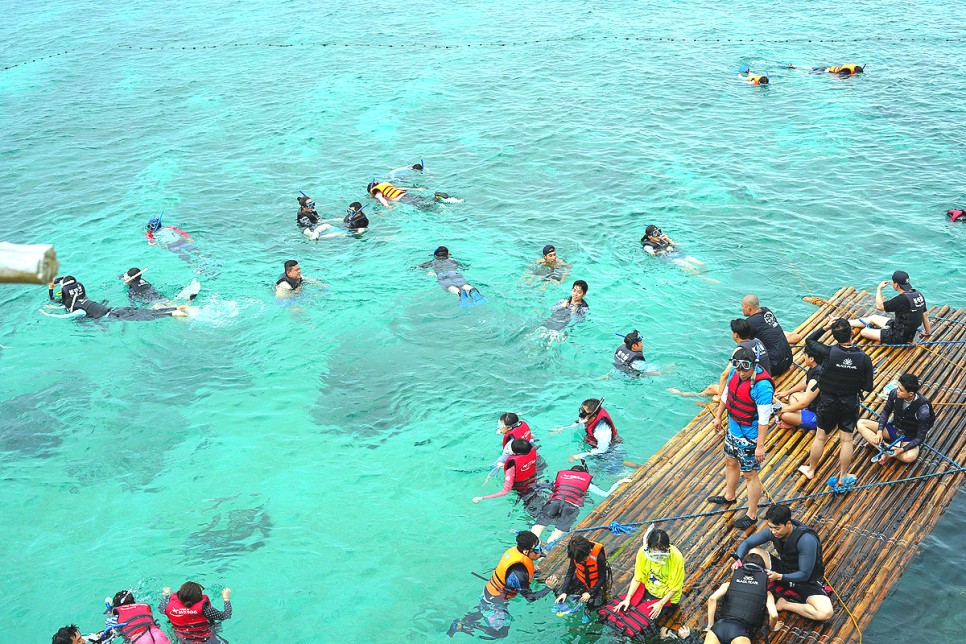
(189, 622)
(524, 469)
(742, 408)
(571, 487)
(520, 430)
(139, 624)
(589, 428)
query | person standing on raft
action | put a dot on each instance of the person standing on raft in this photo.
(846, 370)
(748, 399)
(909, 308)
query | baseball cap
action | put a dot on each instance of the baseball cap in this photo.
(901, 278)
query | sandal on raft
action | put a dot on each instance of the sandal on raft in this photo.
(721, 500)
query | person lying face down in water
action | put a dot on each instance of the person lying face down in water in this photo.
(139, 291)
(450, 279)
(387, 194)
(73, 296)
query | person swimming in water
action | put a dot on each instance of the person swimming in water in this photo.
(569, 311)
(70, 293)
(406, 171)
(549, 268)
(656, 243)
(841, 70)
(629, 356)
(355, 220)
(139, 291)
(387, 194)
(450, 279)
(745, 74)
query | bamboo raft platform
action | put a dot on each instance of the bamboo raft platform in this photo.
(859, 530)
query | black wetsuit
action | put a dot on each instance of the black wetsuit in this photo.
(562, 315)
(798, 558)
(492, 617)
(96, 311)
(141, 292)
(765, 327)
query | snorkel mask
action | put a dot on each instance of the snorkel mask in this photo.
(656, 557)
(56, 292)
(154, 224)
(584, 416)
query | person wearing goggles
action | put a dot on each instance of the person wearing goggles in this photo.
(600, 432)
(796, 570)
(655, 588)
(748, 399)
(513, 575)
(655, 242)
(746, 603)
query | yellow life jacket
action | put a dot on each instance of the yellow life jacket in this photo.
(851, 69)
(497, 584)
(389, 191)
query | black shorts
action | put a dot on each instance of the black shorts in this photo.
(833, 412)
(794, 591)
(559, 514)
(727, 630)
(891, 335)
(781, 366)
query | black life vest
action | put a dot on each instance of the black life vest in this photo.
(787, 550)
(747, 597)
(356, 220)
(905, 419)
(843, 372)
(815, 373)
(306, 218)
(907, 322)
(623, 356)
(659, 246)
(765, 327)
(288, 280)
(742, 408)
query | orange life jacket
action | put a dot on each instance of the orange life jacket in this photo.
(588, 571)
(758, 80)
(852, 69)
(389, 191)
(497, 584)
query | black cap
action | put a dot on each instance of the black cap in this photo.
(442, 251)
(548, 249)
(902, 279)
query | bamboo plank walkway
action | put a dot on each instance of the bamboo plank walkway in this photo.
(869, 535)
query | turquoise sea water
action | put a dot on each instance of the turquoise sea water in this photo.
(319, 457)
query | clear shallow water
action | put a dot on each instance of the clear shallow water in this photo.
(319, 458)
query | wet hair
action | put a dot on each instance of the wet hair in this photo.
(290, 264)
(520, 446)
(303, 201)
(778, 514)
(65, 634)
(741, 328)
(370, 187)
(754, 558)
(591, 403)
(841, 330)
(579, 548)
(910, 382)
(131, 272)
(814, 355)
(526, 540)
(583, 285)
(190, 593)
(355, 205)
(762, 80)
(578, 468)
(509, 419)
(122, 597)
(659, 541)
(418, 166)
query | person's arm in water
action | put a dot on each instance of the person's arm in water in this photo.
(713, 601)
(518, 580)
(568, 580)
(820, 348)
(602, 435)
(508, 476)
(213, 614)
(807, 556)
(606, 493)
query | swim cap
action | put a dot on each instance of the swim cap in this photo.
(902, 279)
(548, 249)
(442, 251)
(650, 230)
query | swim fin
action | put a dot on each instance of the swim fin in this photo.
(190, 291)
(464, 299)
(476, 298)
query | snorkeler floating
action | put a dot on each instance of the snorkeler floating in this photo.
(745, 74)
(70, 293)
(140, 291)
(308, 219)
(450, 279)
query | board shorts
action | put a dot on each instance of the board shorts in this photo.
(808, 420)
(891, 335)
(833, 411)
(451, 278)
(727, 630)
(495, 613)
(559, 514)
(797, 592)
(743, 450)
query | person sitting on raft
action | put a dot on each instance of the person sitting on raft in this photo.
(191, 613)
(588, 574)
(570, 488)
(798, 404)
(764, 326)
(140, 291)
(520, 475)
(746, 604)
(796, 572)
(909, 307)
(133, 620)
(655, 589)
(450, 279)
(550, 268)
(513, 575)
(912, 417)
(73, 296)
(571, 310)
